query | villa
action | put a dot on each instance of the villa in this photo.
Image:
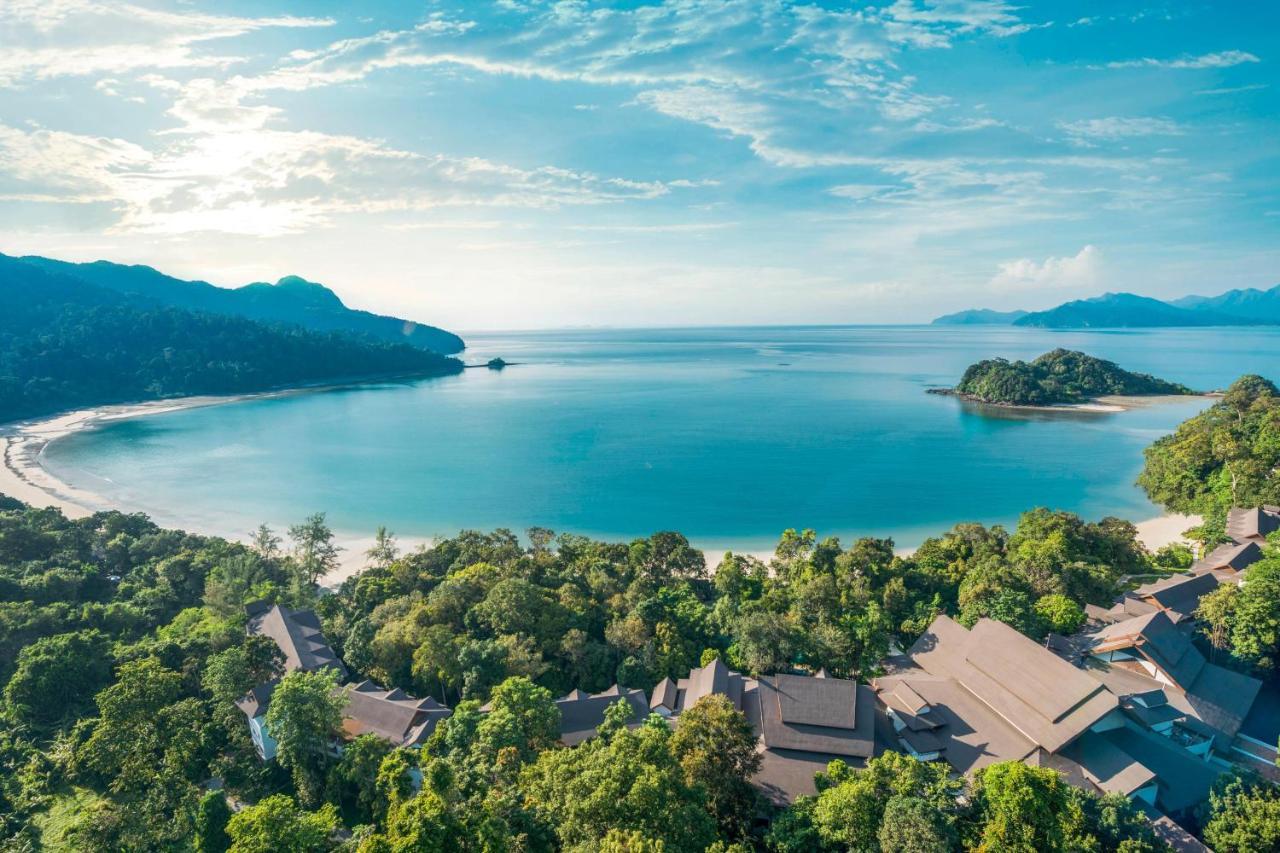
(973, 697)
(582, 713)
(393, 715)
(802, 722)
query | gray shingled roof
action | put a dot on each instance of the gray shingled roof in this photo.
(1184, 780)
(827, 715)
(390, 714)
(664, 695)
(1046, 699)
(581, 714)
(1234, 556)
(297, 633)
(1110, 768)
(1253, 523)
(1179, 594)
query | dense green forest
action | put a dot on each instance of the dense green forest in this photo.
(1229, 455)
(1060, 376)
(122, 649)
(291, 300)
(66, 344)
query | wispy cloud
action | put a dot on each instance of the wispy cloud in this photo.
(1112, 128)
(41, 39)
(1220, 59)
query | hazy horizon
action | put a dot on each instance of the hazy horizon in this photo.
(550, 165)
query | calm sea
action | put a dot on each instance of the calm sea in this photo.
(727, 434)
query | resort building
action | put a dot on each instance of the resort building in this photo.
(1253, 525)
(1176, 596)
(391, 714)
(582, 713)
(976, 697)
(803, 722)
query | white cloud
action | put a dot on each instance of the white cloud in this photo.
(1220, 59)
(241, 179)
(1112, 128)
(1079, 272)
(41, 39)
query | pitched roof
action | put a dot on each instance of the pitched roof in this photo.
(1047, 700)
(970, 734)
(664, 695)
(1112, 769)
(1252, 523)
(1156, 638)
(297, 633)
(1184, 779)
(1232, 555)
(827, 715)
(581, 714)
(715, 677)
(391, 714)
(1179, 594)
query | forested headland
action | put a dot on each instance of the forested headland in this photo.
(1060, 376)
(66, 344)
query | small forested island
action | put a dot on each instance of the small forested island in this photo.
(1055, 378)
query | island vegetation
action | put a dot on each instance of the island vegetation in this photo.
(291, 300)
(67, 344)
(1057, 377)
(123, 649)
(1228, 455)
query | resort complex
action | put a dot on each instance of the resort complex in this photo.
(1131, 704)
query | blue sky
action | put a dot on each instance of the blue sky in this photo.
(531, 164)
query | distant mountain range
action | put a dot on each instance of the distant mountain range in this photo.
(1249, 307)
(291, 300)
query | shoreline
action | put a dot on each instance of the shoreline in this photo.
(23, 476)
(1105, 404)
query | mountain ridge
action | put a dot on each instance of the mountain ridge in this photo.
(1243, 307)
(291, 300)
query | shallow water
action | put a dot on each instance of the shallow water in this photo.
(729, 435)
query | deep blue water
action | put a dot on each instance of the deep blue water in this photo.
(727, 434)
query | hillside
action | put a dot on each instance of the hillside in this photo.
(979, 317)
(67, 344)
(1247, 307)
(291, 300)
(1120, 310)
(1249, 304)
(1060, 376)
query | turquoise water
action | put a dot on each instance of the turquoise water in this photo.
(729, 435)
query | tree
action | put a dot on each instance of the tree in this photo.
(1060, 614)
(266, 542)
(355, 776)
(1244, 816)
(212, 816)
(313, 548)
(522, 718)
(278, 825)
(384, 550)
(911, 825)
(1255, 622)
(57, 676)
(716, 747)
(630, 782)
(1023, 809)
(1216, 612)
(764, 642)
(233, 672)
(304, 717)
